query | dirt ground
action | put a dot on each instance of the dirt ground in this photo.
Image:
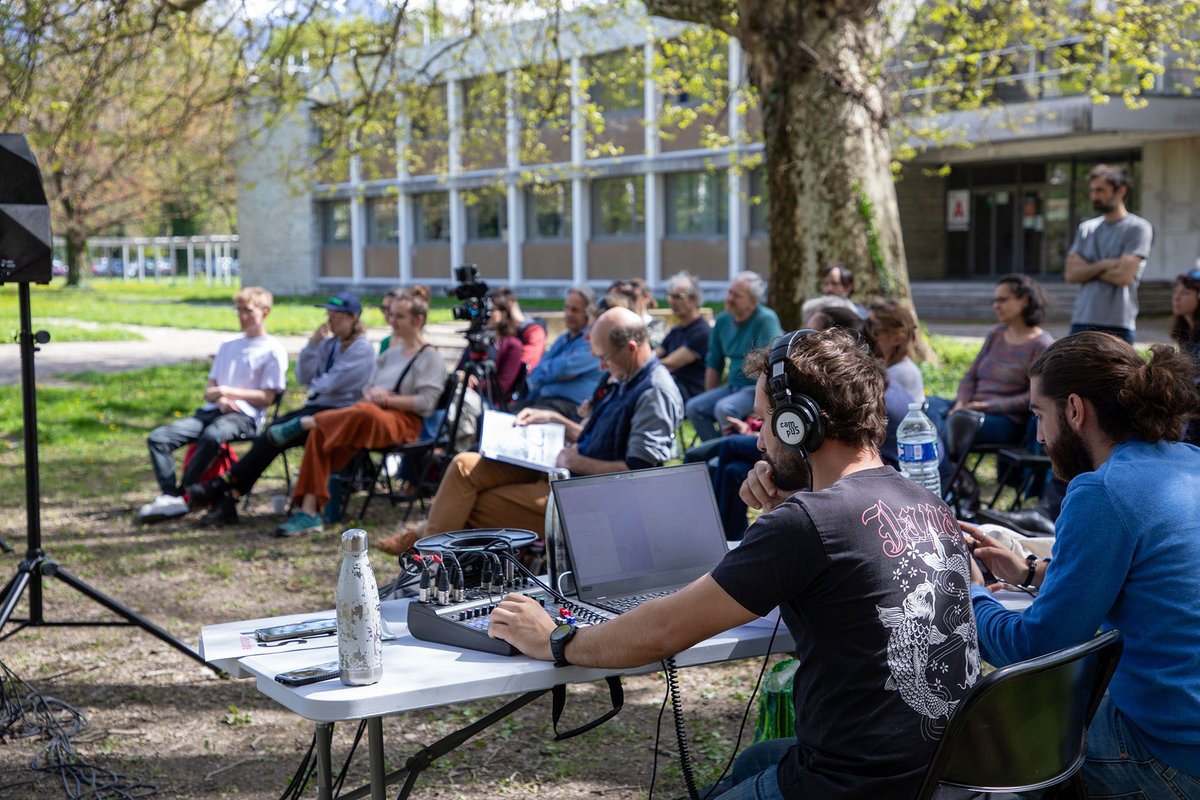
(161, 718)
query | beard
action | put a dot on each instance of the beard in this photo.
(791, 471)
(1102, 207)
(1069, 456)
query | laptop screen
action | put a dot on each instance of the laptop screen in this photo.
(640, 531)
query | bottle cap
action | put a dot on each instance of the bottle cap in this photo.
(915, 406)
(354, 541)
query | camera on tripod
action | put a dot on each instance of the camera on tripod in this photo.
(476, 309)
(476, 306)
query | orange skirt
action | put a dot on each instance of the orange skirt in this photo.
(340, 433)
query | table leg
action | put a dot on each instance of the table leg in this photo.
(375, 752)
(324, 761)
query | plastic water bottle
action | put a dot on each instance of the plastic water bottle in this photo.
(917, 441)
(359, 626)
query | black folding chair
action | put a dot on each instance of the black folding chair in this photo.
(960, 431)
(1024, 727)
(422, 460)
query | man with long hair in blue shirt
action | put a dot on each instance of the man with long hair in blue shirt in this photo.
(1125, 557)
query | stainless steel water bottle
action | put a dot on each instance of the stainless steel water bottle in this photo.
(359, 627)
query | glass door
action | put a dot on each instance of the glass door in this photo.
(994, 228)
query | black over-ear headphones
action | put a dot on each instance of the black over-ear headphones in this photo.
(796, 420)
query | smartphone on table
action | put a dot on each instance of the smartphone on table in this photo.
(307, 675)
(297, 630)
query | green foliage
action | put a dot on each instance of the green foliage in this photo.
(866, 210)
(954, 357)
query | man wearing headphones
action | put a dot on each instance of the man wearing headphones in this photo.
(868, 570)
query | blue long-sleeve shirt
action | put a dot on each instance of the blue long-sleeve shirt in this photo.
(568, 369)
(1126, 556)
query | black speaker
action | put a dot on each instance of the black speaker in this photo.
(26, 249)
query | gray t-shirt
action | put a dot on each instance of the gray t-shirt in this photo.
(1100, 303)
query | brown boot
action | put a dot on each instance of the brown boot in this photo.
(403, 541)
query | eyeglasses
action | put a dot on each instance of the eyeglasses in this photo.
(678, 295)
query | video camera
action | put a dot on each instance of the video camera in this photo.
(476, 307)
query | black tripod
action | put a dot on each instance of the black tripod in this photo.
(37, 565)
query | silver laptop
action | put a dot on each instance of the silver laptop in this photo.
(633, 536)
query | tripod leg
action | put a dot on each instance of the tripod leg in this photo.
(12, 594)
(132, 616)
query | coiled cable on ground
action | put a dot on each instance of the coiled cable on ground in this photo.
(26, 714)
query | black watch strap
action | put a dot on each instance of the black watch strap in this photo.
(558, 643)
(1033, 560)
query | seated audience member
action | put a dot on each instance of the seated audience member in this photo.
(384, 305)
(997, 382)
(1124, 557)
(248, 373)
(1185, 305)
(745, 324)
(334, 364)
(685, 346)
(403, 390)
(836, 284)
(893, 331)
(568, 371)
(880, 617)
(506, 312)
(631, 427)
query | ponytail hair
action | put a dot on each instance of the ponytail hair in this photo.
(1149, 400)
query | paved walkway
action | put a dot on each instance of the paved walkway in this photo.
(173, 345)
(161, 346)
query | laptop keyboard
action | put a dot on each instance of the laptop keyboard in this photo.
(620, 605)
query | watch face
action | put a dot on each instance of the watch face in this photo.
(562, 632)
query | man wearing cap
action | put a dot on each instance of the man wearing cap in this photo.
(249, 371)
(335, 364)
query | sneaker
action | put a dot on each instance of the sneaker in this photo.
(207, 493)
(299, 523)
(285, 433)
(224, 512)
(165, 506)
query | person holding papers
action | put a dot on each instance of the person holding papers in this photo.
(869, 572)
(632, 427)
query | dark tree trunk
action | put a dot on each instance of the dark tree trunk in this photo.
(828, 158)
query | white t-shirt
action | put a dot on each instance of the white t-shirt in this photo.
(258, 363)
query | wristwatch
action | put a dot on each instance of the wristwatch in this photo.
(558, 643)
(1032, 561)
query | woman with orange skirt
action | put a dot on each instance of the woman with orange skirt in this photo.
(408, 380)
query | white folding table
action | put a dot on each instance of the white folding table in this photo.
(419, 674)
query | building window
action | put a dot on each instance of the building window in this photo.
(760, 204)
(382, 225)
(615, 81)
(548, 212)
(487, 217)
(431, 217)
(335, 222)
(618, 207)
(697, 204)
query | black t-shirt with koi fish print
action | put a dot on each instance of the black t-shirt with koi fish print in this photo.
(872, 580)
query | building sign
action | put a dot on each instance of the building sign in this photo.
(958, 210)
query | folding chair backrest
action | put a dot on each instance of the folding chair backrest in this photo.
(960, 431)
(1024, 726)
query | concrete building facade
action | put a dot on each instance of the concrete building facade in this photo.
(647, 205)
